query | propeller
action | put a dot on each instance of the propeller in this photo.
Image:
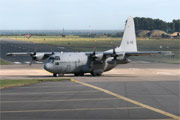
(52, 51)
(94, 53)
(93, 56)
(33, 56)
(31, 62)
(114, 53)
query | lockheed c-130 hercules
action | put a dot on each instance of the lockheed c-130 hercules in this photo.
(79, 63)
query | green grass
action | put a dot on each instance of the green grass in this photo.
(77, 43)
(13, 83)
(4, 62)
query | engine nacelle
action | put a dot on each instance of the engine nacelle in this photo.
(38, 56)
(98, 57)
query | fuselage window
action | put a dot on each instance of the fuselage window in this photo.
(57, 58)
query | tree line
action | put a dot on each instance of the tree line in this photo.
(142, 23)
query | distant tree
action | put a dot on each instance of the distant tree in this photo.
(177, 25)
(156, 24)
(118, 34)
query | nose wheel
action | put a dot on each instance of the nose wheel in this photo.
(54, 74)
(57, 75)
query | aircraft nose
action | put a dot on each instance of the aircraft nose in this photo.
(48, 67)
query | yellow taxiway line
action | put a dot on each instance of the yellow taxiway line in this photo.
(129, 100)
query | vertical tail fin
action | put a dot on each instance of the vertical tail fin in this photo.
(128, 42)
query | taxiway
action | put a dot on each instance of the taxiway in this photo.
(133, 91)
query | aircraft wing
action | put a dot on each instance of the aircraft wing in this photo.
(121, 55)
(28, 53)
(18, 54)
(37, 56)
(138, 53)
(143, 53)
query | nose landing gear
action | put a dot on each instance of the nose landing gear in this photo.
(57, 75)
(54, 74)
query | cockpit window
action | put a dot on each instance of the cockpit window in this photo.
(57, 58)
(51, 59)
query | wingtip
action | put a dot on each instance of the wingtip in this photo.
(170, 53)
(9, 54)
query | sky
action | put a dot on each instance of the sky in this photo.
(81, 14)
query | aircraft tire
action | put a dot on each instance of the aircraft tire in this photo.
(96, 74)
(78, 74)
(93, 74)
(81, 74)
(54, 74)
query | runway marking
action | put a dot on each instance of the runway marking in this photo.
(52, 86)
(17, 62)
(165, 73)
(130, 100)
(77, 109)
(69, 100)
(37, 93)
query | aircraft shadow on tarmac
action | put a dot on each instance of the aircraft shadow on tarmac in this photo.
(110, 75)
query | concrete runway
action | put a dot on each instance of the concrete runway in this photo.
(151, 91)
(8, 45)
(139, 90)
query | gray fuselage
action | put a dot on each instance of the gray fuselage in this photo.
(77, 62)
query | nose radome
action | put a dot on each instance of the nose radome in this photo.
(48, 67)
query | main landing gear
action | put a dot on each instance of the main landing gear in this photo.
(78, 74)
(96, 74)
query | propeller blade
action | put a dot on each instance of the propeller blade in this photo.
(92, 64)
(94, 51)
(31, 62)
(114, 53)
(33, 57)
(93, 58)
(52, 51)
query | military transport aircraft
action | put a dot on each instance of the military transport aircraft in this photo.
(96, 63)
